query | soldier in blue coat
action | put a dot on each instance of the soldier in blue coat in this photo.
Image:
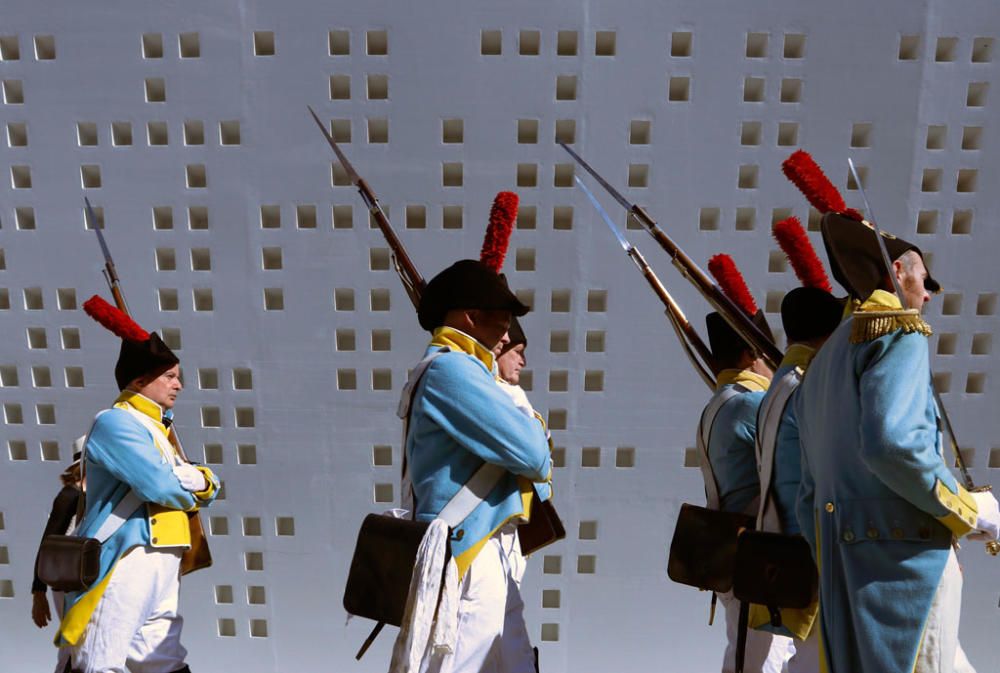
(877, 502)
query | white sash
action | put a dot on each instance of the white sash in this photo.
(768, 422)
(704, 433)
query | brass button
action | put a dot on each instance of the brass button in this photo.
(848, 536)
(155, 540)
(829, 507)
(153, 521)
(897, 533)
(872, 533)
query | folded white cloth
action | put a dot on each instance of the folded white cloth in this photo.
(420, 633)
(191, 478)
(988, 524)
(519, 397)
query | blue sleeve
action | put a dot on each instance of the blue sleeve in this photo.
(126, 450)
(899, 436)
(788, 468)
(465, 401)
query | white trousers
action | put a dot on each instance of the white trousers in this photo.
(765, 653)
(940, 651)
(135, 626)
(806, 657)
(492, 635)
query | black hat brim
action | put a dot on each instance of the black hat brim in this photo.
(143, 358)
(466, 284)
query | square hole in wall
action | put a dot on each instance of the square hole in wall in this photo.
(13, 92)
(931, 180)
(90, 176)
(194, 132)
(750, 133)
(251, 526)
(942, 382)
(229, 132)
(305, 216)
(588, 530)
(526, 297)
(45, 414)
(156, 134)
(595, 341)
(8, 376)
(20, 177)
(166, 259)
(861, 134)
(271, 259)
(339, 42)
(4, 299)
(961, 222)
(558, 381)
(201, 259)
(73, 376)
(566, 87)
(172, 337)
(757, 45)
(451, 174)
(189, 45)
(246, 454)
(947, 342)
(24, 217)
(377, 42)
(254, 560)
(566, 131)
(226, 627)
(937, 135)
(223, 594)
(383, 493)
(791, 90)
(256, 595)
(197, 217)
(121, 133)
(70, 337)
(639, 132)
(41, 377)
(638, 175)
(203, 300)
(776, 262)
(263, 43)
(557, 419)
(560, 302)
(586, 564)
(527, 175)
(982, 343)
(746, 219)
(976, 96)
(490, 43)
(10, 48)
(378, 259)
(244, 417)
(527, 131)
(156, 90)
(340, 87)
(566, 43)
(691, 457)
(16, 449)
(378, 131)
(378, 87)
(772, 301)
(747, 176)
(551, 598)
(33, 299)
(347, 379)
(975, 383)
(270, 217)
(529, 42)
(558, 452)
(381, 455)
(604, 43)
(563, 175)
(951, 304)
(590, 456)
(679, 89)
(753, 89)
(86, 134)
(524, 259)
(211, 418)
(967, 180)
(946, 49)
(708, 219)
(451, 217)
(381, 379)
(381, 340)
(552, 565)
(340, 129)
(36, 338)
(788, 134)
(343, 299)
(152, 45)
(972, 137)
(196, 177)
(343, 217)
(927, 221)
(452, 131)
(593, 381)
(559, 341)
(17, 134)
(982, 49)
(909, 47)
(167, 299)
(625, 456)
(680, 44)
(527, 217)
(795, 46)
(379, 299)
(274, 299)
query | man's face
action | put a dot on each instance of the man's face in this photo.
(511, 363)
(489, 327)
(911, 274)
(162, 389)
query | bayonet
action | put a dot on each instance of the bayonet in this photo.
(412, 281)
(109, 271)
(739, 321)
(686, 333)
(992, 546)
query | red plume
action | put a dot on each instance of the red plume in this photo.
(502, 216)
(795, 243)
(114, 320)
(731, 281)
(814, 185)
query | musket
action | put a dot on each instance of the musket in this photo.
(732, 314)
(686, 333)
(412, 281)
(992, 546)
(110, 274)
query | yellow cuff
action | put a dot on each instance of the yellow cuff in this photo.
(962, 510)
(797, 622)
(210, 480)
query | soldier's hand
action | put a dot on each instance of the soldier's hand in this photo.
(988, 525)
(40, 614)
(191, 478)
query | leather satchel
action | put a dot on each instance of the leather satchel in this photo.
(775, 570)
(543, 528)
(378, 582)
(703, 549)
(69, 563)
(198, 555)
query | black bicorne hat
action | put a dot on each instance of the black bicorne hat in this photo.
(726, 343)
(151, 357)
(466, 284)
(810, 313)
(516, 335)
(855, 258)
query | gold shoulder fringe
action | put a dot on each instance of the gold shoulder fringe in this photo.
(872, 324)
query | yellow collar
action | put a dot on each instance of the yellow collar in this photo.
(141, 403)
(744, 377)
(460, 341)
(799, 355)
(881, 299)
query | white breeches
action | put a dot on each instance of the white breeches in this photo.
(492, 636)
(940, 651)
(806, 657)
(135, 626)
(766, 652)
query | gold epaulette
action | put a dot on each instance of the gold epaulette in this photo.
(870, 324)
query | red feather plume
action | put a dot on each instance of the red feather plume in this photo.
(814, 185)
(795, 243)
(114, 320)
(502, 216)
(723, 268)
